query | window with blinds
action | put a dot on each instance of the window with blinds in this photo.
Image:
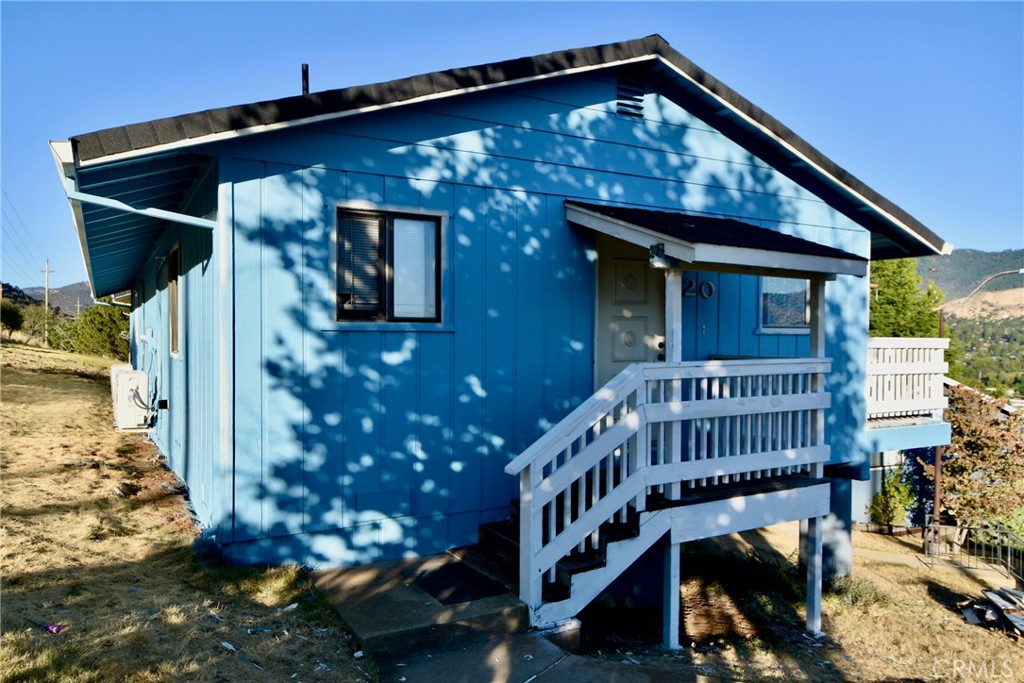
(388, 266)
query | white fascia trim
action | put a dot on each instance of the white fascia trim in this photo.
(808, 263)
(64, 158)
(629, 232)
(946, 247)
(255, 130)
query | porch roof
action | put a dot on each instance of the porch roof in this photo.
(720, 244)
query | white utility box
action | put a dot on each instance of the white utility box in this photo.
(129, 388)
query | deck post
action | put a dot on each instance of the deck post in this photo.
(530, 581)
(813, 545)
(674, 354)
(670, 613)
(802, 548)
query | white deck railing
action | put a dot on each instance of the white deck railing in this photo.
(904, 377)
(659, 430)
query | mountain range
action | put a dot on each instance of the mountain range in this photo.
(67, 298)
(959, 273)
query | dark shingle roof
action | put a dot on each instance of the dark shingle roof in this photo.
(895, 232)
(138, 136)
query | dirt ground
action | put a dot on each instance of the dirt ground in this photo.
(97, 543)
(96, 537)
(894, 620)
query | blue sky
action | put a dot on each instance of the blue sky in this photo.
(923, 101)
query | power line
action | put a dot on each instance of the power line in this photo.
(16, 262)
(26, 232)
(22, 275)
(11, 233)
(12, 245)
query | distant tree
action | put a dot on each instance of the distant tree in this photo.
(100, 331)
(40, 322)
(983, 470)
(11, 318)
(900, 306)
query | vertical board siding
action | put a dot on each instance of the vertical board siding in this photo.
(362, 441)
(250, 365)
(187, 430)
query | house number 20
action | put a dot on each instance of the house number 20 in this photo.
(706, 288)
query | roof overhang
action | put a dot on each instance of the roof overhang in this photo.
(717, 244)
(121, 210)
(894, 232)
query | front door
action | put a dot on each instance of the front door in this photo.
(630, 309)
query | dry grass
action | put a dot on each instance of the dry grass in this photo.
(138, 603)
(141, 605)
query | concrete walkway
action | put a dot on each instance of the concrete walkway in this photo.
(415, 637)
(523, 658)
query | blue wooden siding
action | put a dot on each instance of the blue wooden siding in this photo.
(355, 442)
(186, 432)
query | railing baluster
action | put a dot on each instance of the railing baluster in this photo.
(567, 490)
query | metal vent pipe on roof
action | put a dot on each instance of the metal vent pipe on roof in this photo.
(305, 79)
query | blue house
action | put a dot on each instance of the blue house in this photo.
(597, 281)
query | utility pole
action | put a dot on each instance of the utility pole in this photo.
(78, 307)
(46, 303)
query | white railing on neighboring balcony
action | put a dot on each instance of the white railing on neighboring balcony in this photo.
(904, 377)
(656, 432)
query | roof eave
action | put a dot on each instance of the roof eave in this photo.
(63, 157)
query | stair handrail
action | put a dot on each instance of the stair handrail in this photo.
(602, 461)
(584, 415)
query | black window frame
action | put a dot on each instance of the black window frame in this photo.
(384, 264)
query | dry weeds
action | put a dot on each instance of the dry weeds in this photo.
(119, 572)
(894, 620)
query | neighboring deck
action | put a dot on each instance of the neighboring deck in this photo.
(904, 393)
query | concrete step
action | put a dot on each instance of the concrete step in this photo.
(423, 604)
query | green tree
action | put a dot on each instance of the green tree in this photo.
(11, 318)
(900, 306)
(46, 325)
(100, 331)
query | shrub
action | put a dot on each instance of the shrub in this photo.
(890, 505)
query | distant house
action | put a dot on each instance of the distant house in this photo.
(598, 281)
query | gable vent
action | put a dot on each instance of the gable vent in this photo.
(629, 95)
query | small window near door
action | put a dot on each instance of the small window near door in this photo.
(785, 304)
(388, 266)
(173, 269)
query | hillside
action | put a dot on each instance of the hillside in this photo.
(963, 270)
(999, 305)
(66, 298)
(15, 294)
